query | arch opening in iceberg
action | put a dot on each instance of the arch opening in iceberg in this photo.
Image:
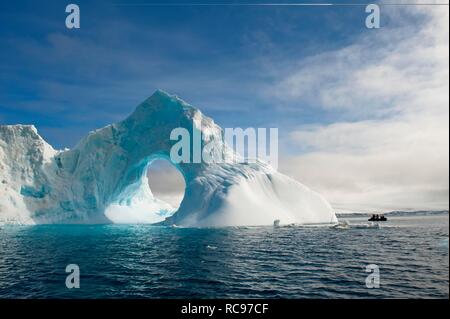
(166, 182)
(136, 202)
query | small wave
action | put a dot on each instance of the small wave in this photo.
(443, 243)
(368, 225)
(346, 225)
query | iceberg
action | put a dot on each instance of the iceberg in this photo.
(103, 178)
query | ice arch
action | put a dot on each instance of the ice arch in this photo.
(104, 175)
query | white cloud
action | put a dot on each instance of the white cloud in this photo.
(375, 164)
(391, 151)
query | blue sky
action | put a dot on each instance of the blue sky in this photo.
(357, 109)
(219, 58)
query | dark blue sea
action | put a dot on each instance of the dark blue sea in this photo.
(141, 261)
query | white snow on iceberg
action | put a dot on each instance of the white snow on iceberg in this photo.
(103, 179)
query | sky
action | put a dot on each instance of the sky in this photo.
(363, 114)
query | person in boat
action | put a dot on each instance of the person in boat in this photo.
(377, 218)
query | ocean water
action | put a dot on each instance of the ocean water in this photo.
(141, 261)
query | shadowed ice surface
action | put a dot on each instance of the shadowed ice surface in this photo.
(125, 261)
